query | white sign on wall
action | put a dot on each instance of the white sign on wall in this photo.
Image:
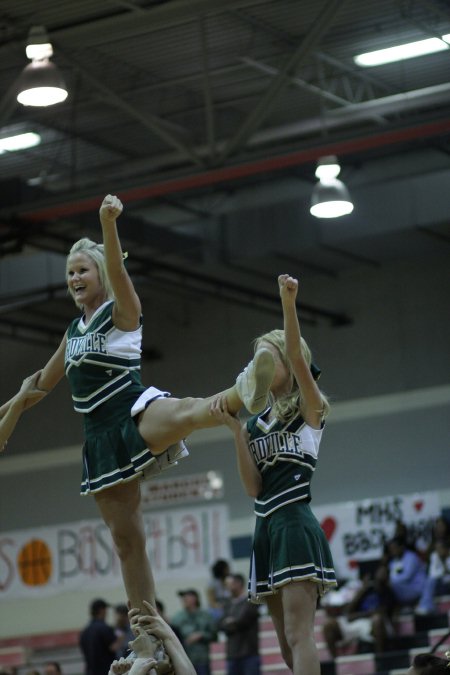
(181, 545)
(357, 531)
(198, 487)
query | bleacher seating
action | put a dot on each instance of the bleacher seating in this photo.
(414, 634)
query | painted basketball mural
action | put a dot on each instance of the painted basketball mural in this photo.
(34, 563)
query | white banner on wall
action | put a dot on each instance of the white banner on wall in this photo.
(181, 544)
(357, 531)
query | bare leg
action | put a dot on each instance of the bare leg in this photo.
(299, 601)
(120, 507)
(275, 607)
(169, 420)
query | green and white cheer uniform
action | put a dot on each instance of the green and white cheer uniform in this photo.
(288, 544)
(102, 364)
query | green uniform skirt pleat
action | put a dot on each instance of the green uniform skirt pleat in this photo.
(114, 451)
(289, 545)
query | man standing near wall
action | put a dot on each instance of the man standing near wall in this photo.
(240, 624)
(197, 630)
(98, 641)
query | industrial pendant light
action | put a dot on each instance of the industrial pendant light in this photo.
(330, 197)
(40, 84)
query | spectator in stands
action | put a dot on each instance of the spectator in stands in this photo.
(438, 578)
(123, 630)
(240, 624)
(98, 641)
(407, 572)
(367, 617)
(414, 540)
(217, 591)
(153, 624)
(429, 664)
(440, 532)
(52, 668)
(402, 532)
(197, 628)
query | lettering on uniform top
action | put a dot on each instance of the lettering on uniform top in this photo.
(266, 448)
(92, 342)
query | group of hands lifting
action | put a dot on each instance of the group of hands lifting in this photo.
(150, 657)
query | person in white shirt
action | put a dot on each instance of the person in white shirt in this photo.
(438, 578)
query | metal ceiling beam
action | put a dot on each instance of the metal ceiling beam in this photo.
(296, 81)
(36, 212)
(124, 25)
(428, 97)
(260, 112)
(369, 82)
(149, 121)
(127, 4)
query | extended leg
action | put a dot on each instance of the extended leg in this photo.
(169, 420)
(121, 510)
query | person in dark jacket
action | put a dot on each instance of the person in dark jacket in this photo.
(240, 624)
(98, 641)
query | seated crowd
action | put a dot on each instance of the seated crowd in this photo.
(410, 574)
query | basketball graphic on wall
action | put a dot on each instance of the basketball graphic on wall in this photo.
(34, 563)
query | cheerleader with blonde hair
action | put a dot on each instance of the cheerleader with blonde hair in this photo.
(131, 431)
(277, 452)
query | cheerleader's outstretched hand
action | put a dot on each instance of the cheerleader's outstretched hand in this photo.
(110, 209)
(288, 288)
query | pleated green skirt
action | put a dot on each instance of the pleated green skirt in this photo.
(289, 546)
(114, 451)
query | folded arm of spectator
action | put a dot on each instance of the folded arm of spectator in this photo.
(232, 624)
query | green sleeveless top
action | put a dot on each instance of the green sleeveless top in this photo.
(101, 360)
(286, 456)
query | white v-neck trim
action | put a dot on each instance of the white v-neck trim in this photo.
(82, 326)
(263, 425)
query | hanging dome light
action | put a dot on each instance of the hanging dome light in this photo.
(330, 199)
(40, 83)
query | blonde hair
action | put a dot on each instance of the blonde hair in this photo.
(96, 253)
(286, 407)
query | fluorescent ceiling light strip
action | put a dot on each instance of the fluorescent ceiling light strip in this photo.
(402, 52)
(19, 142)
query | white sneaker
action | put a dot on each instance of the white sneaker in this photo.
(253, 384)
(166, 459)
